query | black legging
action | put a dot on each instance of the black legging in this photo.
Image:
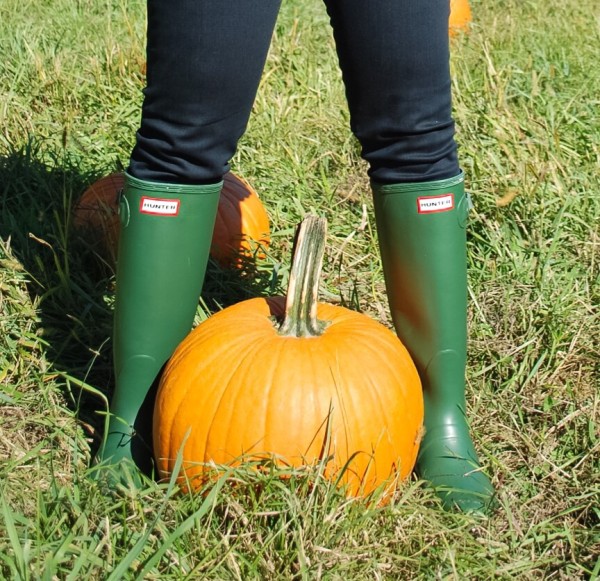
(205, 60)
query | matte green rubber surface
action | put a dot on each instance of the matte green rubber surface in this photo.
(422, 237)
(166, 232)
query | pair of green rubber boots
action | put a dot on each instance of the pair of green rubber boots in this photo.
(164, 246)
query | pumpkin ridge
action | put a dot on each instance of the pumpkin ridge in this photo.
(281, 391)
(329, 409)
(241, 366)
(348, 463)
(187, 351)
(378, 410)
(375, 394)
(317, 360)
(195, 402)
(271, 386)
(407, 405)
(332, 356)
(324, 410)
(187, 347)
(354, 401)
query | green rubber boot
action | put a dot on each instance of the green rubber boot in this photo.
(422, 238)
(166, 232)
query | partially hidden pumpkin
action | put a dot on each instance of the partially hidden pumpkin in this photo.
(241, 233)
(294, 381)
(242, 229)
(460, 16)
(97, 213)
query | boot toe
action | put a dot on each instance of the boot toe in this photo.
(451, 467)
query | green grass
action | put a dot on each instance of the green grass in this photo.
(526, 99)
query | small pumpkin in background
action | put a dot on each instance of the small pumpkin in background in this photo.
(97, 213)
(460, 16)
(242, 228)
(293, 381)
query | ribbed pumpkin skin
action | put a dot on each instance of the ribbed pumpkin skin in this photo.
(241, 224)
(234, 386)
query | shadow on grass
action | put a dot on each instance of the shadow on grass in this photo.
(70, 279)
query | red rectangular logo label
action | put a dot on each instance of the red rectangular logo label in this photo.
(434, 204)
(159, 206)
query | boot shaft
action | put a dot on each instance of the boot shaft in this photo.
(422, 237)
(166, 231)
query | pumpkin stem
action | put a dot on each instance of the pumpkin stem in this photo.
(300, 319)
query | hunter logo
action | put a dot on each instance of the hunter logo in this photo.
(159, 206)
(432, 204)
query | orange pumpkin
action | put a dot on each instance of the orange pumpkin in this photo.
(242, 224)
(460, 16)
(241, 227)
(322, 384)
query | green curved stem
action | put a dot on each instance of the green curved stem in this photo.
(300, 319)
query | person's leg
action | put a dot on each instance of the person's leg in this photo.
(205, 60)
(204, 63)
(395, 62)
(394, 58)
